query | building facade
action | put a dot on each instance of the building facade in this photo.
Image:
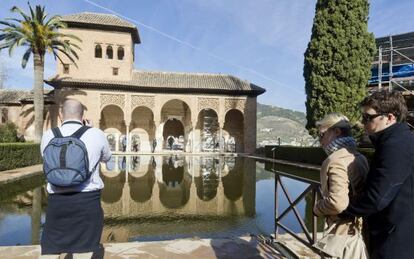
(144, 110)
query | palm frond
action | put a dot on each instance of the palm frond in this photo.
(26, 57)
(16, 9)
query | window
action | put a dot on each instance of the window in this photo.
(65, 68)
(109, 52)
(115, 71)
(121, 53)
(4, 115)
(98, 51)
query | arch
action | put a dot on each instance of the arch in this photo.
(173, 134)
(109, 52)
(98, 51)
(208, 129)
(233, 130)
(172, 112)
(120, 53)
(112, 116)
(143, 128)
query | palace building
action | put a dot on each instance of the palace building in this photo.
(137, 110)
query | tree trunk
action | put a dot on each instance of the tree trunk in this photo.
(38, 95)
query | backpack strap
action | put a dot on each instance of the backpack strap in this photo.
(80, 132)
(57, 133)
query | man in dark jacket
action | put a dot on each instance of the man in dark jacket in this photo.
(387, 202)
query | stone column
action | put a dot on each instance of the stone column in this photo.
(193, 129)
(128, 148)
(159, 128)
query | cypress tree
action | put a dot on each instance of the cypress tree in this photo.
(337, 60)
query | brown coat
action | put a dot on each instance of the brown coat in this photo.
(341, 167)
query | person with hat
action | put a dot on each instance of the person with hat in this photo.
(342, 175)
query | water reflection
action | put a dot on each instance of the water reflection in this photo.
(181, 185)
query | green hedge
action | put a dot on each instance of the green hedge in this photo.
(16, 155)
(309, 155)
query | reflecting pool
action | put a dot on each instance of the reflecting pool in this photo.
(163, 197)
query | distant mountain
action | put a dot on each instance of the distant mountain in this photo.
(288, 125)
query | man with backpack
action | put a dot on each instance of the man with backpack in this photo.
(71, 154)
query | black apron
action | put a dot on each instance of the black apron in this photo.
(74, 223)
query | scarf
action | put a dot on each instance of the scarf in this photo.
(341, 142)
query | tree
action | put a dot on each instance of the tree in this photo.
(39, 35)
(337, 60)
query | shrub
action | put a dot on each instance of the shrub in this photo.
(16, 155)
(309, 155)
(8, 133)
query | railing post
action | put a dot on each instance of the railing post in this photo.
(314, 217)
(276, 207)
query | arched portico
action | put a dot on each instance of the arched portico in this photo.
(176, 123)
(233, 131)
(142, 129)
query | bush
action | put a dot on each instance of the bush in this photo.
(8, 133)
(309, 155)
(16, 155)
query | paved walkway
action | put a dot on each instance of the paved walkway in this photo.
(243, 247)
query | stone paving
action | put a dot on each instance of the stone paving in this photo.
(242, 247)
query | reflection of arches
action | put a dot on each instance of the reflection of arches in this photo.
(207, 124)
(233, 130)
(142, 125)
(112, 116)
(113, 188)
(174, 191)
(141, 187)
(233, 181)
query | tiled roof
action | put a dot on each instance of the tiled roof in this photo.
(12, 96)
(100, 21)
(8, 96)
(171, 82)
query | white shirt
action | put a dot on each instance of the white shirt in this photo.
(98, 150)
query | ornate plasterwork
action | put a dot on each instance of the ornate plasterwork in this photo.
(238, 104)
(142, 100)
(208, 103)
(116, 99)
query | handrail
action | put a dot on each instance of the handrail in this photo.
(314, 189)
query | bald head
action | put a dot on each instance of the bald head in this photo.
(72, 109)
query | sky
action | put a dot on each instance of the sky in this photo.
(261, 41)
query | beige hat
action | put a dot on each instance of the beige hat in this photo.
(336, 120)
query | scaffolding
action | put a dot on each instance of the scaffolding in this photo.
(393, 68)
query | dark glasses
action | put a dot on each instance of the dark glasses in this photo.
(369, 117)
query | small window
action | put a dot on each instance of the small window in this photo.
(98, 51)
(121, 53)
(115, 71)
(109, 52)
(65, 68)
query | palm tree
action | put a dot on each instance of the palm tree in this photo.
(39, 35)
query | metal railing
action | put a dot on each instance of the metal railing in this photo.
(314, 190)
